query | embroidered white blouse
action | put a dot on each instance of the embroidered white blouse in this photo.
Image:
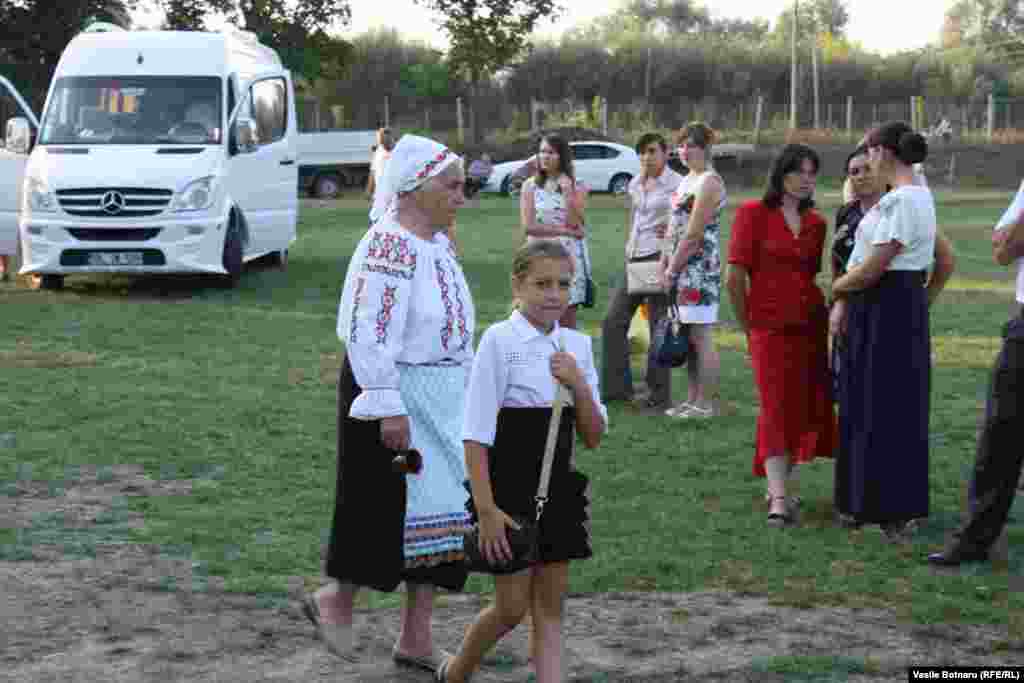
(512, 369)
(905, 215)
(405, 301)
(1009, 218)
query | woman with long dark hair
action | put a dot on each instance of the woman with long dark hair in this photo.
(774, 255)
(886, 355)
(551, 207)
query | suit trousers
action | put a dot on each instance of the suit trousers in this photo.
(615, 346)
(1000, 455)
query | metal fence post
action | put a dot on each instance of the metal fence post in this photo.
(990, 124)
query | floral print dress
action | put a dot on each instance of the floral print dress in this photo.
(699, 285)
(550, 209)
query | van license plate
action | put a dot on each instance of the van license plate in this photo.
(115, 258)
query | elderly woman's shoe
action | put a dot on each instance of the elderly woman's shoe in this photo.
(441, 675)
(338, 638)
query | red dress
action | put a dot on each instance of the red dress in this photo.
(788, 322)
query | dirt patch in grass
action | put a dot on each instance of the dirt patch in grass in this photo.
(84, 604)
(27, 358)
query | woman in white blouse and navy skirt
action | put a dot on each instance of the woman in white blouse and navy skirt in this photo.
(406, 318)
(886, 355)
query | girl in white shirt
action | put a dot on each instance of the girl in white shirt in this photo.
(886, 356)
(508, 409)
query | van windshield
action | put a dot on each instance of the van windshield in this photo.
(134, 110)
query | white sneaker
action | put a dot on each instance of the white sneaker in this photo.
(694, 412)
(679, 409)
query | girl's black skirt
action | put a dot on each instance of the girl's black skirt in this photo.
(515, 462)
(368, 529)
(884, 391)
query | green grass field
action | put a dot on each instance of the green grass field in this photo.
(236, 389)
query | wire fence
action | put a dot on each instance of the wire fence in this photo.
(979, 119)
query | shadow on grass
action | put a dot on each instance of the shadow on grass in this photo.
(159, 286)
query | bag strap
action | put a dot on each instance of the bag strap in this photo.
(673, 300)
(561, 399)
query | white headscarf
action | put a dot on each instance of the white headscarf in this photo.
(414, 161)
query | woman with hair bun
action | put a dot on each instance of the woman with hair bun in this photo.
(886, 355)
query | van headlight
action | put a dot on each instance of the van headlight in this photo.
(197, 195)
(39, 197)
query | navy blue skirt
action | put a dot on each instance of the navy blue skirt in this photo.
(884, 390)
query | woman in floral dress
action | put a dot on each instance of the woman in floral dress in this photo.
(551, 207)
(693, 266)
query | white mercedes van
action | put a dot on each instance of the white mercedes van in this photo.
(157, 152)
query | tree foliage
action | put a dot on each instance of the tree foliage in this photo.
(487, 35)
(300, 30)
(34, 33)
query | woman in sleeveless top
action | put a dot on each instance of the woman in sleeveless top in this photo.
(693, 266)
(551, 207)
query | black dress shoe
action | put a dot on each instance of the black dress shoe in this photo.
(952, 558)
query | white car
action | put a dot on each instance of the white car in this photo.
(603, 166)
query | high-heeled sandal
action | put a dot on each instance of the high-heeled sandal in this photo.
(780, 519)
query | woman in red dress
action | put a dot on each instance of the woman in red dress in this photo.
(775, 252)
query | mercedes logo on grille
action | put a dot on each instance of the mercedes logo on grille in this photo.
(112, 202)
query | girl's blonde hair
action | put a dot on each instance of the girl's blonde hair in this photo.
(531, 252)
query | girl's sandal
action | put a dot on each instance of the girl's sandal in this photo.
(683, 407)
(693, 412)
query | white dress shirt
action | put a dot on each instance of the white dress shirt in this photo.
(405, 300)
(1009, 218)
(512, 369)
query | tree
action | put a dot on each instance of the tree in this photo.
(426, 81)
(34, 33)
(297, 29)
(487, 35)
(190, 15)
(674, 16)
(816, 17)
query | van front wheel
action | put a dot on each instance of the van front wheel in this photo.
(232, 259)
(279, 259)
(51, 282)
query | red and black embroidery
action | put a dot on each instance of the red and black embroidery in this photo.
(393, 256)
(460, 311)
(356, 300)
(448, 327)
(387, 301)
(430, 165)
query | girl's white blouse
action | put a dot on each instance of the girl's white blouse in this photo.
(512, 369)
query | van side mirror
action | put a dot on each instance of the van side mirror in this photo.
(19, 136)
(246, 135)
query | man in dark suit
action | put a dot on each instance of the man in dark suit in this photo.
(997, 467)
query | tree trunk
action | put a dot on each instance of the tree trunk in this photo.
(817, 87)
(474, 96)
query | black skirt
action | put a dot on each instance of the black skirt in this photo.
(515, 462)
(368, 529)
(884, 396)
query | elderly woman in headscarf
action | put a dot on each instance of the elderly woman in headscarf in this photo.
(406, 318)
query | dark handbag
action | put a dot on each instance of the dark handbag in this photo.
(670, 345)
(590, 293)
(524, 542)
